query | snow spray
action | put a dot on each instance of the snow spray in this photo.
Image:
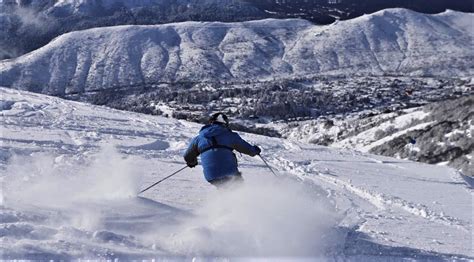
(265, 217)
(78, 183)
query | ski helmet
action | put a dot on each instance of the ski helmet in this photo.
(219, 118)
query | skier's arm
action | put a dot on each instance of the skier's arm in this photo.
(191, 154)
(244, 147)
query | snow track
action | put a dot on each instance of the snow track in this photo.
(358, 198)
(383, 202)
(70, 173)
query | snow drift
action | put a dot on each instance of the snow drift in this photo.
(393, 41)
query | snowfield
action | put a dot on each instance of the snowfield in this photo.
(392, 41)
(70, 173)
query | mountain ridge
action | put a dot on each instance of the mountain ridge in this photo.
(387, 42)
(27, 25)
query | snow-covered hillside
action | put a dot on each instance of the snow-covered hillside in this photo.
(394, 41)
(70, 173)
(28, 25)
(438, 133)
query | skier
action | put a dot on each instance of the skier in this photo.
(215, 143)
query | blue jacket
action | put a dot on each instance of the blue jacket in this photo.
(219, 161)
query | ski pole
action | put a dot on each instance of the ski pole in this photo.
(163, 179)
(269, 167)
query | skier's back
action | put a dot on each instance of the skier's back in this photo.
(215, 143)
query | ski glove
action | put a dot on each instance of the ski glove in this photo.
(258, 150)
(192, 164)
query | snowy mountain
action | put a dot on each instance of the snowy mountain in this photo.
(70, 172)
(395, 41)
(28, 25)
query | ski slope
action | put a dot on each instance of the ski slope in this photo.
(70, 173)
